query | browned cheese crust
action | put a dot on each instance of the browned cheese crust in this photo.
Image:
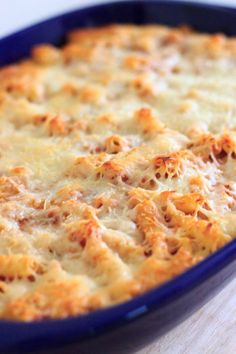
(118, 166)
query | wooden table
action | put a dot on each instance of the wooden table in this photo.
(211, 330)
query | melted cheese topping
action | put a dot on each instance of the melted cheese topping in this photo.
(117, 162)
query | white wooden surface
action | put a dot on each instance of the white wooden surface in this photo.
(212, 330)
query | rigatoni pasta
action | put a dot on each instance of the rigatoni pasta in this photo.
(118, 165)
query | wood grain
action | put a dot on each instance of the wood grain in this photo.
(211, 330)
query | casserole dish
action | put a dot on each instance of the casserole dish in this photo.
(155, 312)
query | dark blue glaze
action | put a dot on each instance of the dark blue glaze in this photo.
(129, 326)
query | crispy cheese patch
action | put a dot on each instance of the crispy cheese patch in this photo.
(118, 166)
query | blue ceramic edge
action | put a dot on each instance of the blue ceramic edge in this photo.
(128, 311)
(18, 34)
(198, 4)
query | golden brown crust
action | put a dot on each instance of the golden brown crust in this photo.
(118, 162)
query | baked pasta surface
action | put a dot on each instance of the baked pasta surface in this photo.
(118, 166)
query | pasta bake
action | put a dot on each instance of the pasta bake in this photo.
(118, 166)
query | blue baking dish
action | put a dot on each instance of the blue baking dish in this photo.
(127, 327)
